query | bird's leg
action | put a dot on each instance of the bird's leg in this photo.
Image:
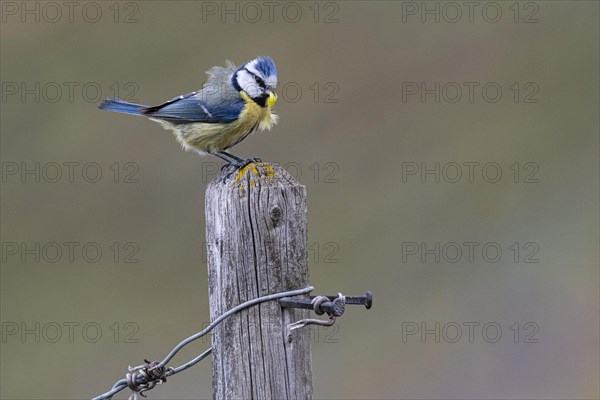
(229, 160)
(225, 157)
(234, 163)
(231, 156)
(242, 162)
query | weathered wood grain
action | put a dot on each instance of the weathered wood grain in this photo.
(256, 239)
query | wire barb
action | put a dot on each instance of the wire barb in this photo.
(151, 374)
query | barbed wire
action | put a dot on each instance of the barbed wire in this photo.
(147, 376)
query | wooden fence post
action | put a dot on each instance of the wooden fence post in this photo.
(256, 242)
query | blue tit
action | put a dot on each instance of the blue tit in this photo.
(233, 103)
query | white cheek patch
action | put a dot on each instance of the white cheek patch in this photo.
(246, 82)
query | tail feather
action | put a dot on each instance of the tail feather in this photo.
(121, 106)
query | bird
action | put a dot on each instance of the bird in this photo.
(233, 103)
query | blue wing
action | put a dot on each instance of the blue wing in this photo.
(187, 108)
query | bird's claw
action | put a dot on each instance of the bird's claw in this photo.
(228, 169)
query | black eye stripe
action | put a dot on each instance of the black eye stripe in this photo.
(257, 78)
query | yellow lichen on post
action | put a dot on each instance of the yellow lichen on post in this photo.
(261, 170)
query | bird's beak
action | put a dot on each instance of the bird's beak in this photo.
(272, 99)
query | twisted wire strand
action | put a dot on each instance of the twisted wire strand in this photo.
(139, 379)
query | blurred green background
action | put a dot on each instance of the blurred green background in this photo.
(353, 132)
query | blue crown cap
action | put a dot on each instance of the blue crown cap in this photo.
(266, 66)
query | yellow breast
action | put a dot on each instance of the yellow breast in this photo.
(256, 114)
(210, 138)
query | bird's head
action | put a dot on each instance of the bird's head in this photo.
(258, 78)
